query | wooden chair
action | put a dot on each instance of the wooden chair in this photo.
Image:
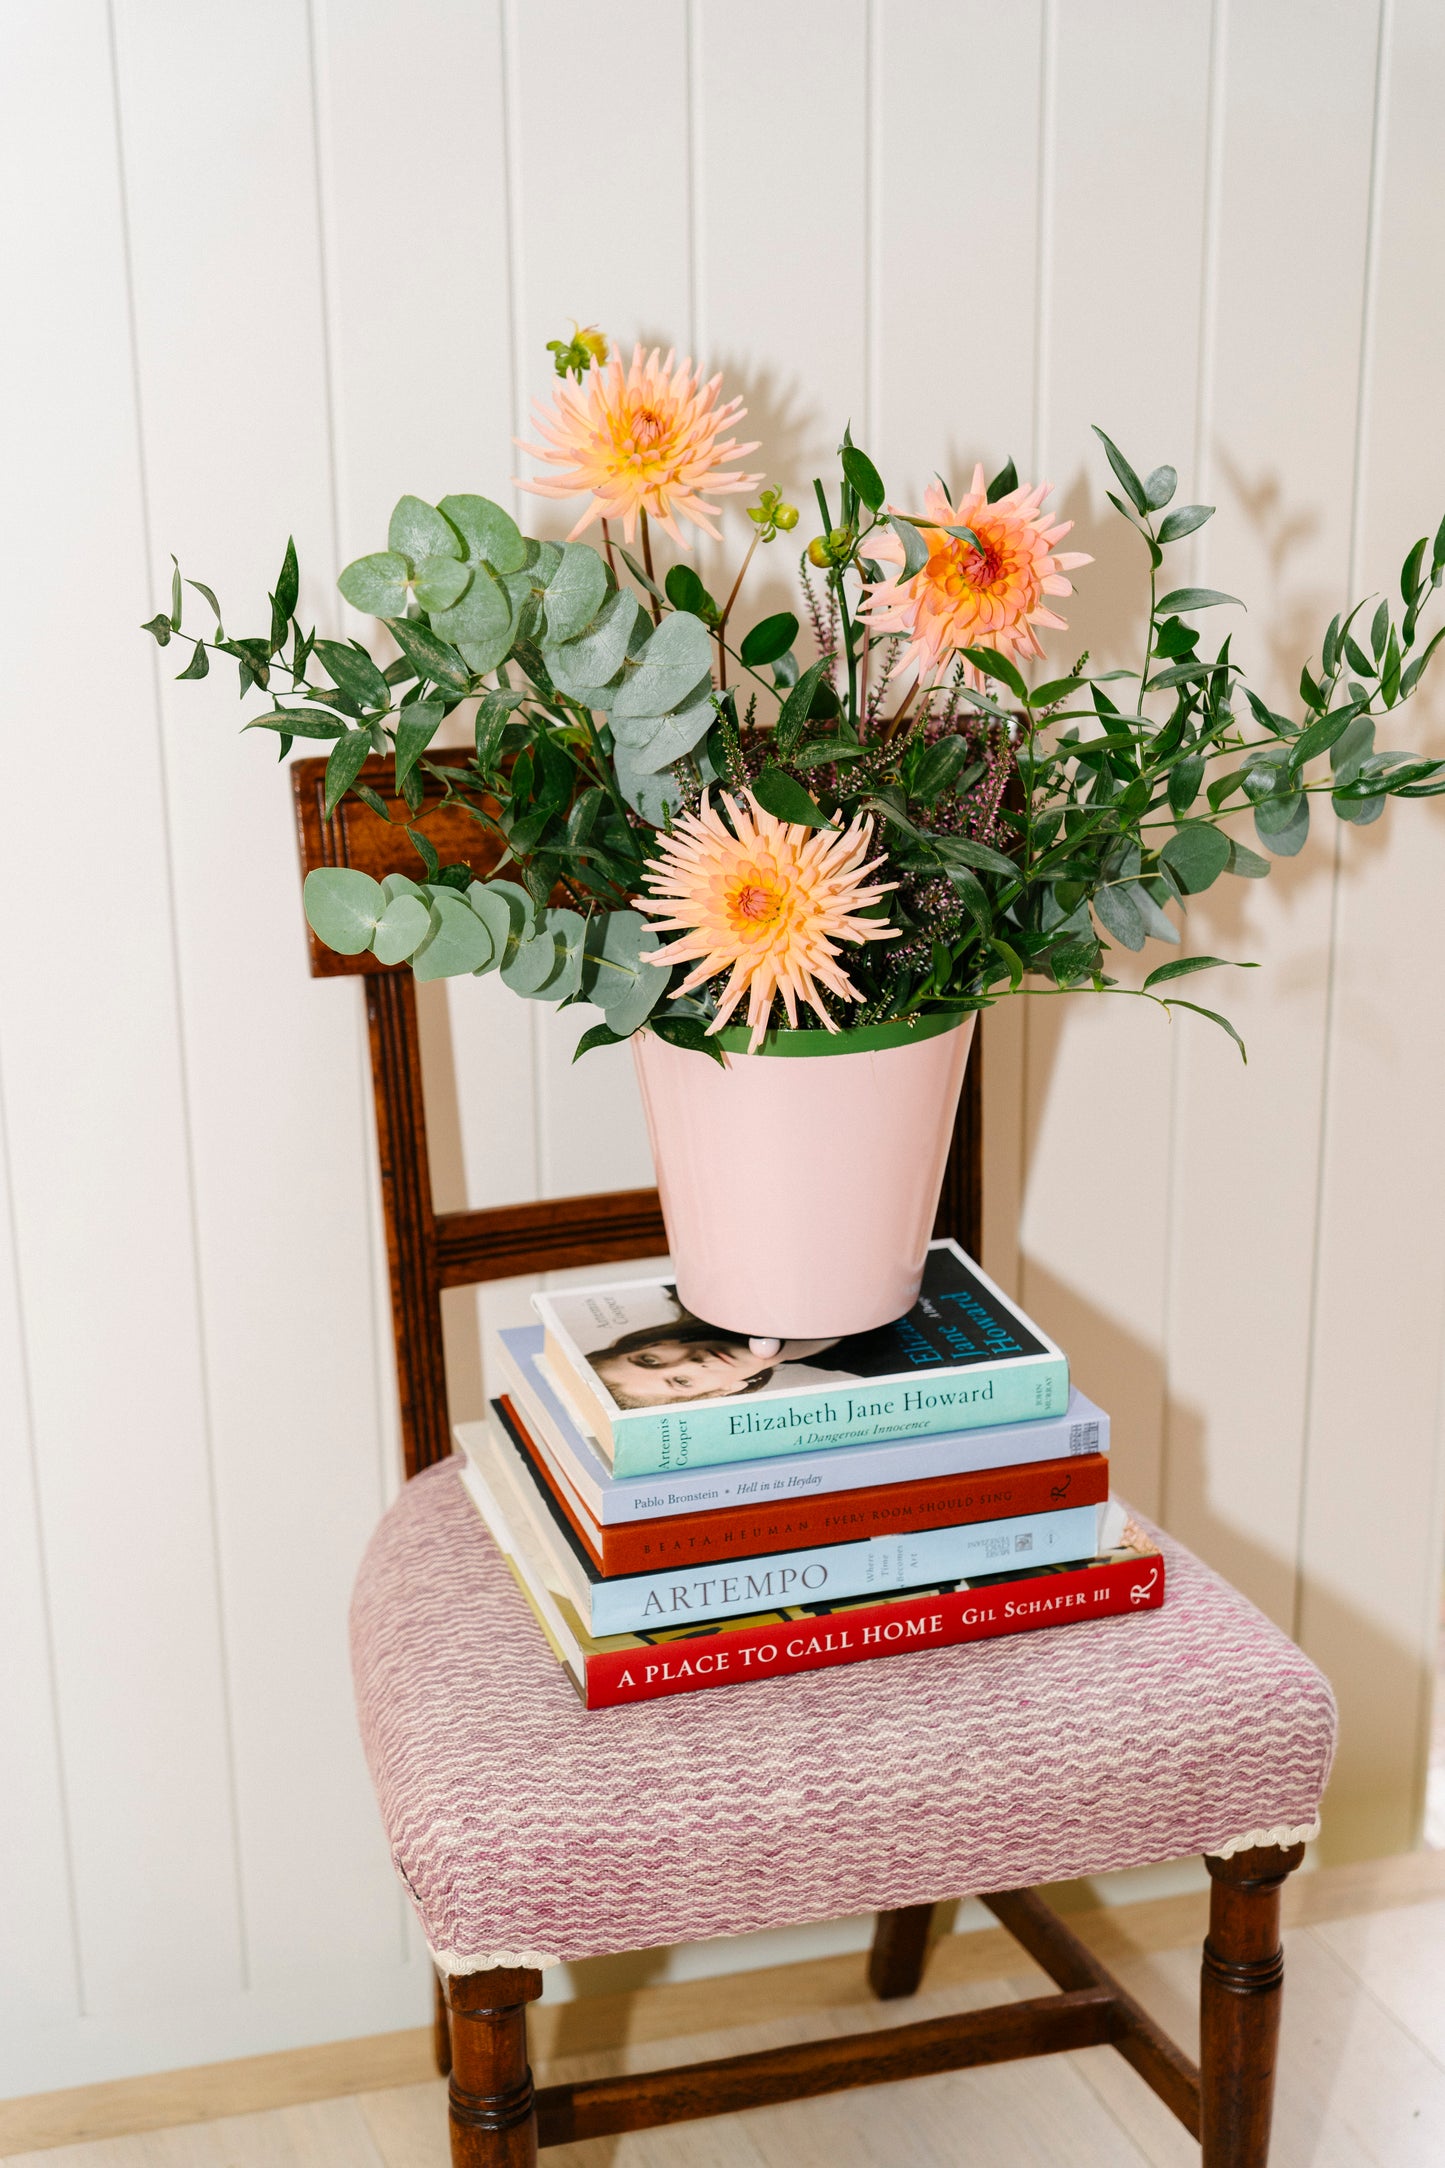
(462, 1705)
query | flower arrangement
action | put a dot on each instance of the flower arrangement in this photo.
(885, 820)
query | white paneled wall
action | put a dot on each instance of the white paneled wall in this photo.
(268, 266)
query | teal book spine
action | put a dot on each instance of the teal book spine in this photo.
(865, 1411)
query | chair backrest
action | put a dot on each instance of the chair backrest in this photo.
(429, 1250)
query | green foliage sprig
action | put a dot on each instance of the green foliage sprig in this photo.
(1030, 829)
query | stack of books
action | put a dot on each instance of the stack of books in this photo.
(684, 1509)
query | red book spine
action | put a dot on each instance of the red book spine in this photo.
(688, 1665)
(889, 1509)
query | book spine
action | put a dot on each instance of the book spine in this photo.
(615, 1677)
(887, 1509)
(656, 1441)
(835, 1572)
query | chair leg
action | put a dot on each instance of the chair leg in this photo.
(900, 1944)
(441, 2028)
(1240, 2005)
(489, 2100)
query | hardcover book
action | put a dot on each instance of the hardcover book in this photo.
(661, 1391)
(1081, 1428)
(1127, 1575)
(877, 1566)
(792, 1523)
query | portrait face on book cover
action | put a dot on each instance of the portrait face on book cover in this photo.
(647, 1351)
(684, 1359)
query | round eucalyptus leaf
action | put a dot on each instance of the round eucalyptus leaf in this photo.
(440, 581)
(343, 908)
(570, 929)
(490, 534)
(419, 530)
(575, 592)
(1117, 911)
(585, 666)
(402, 928)
(536, 963)
(528, 585)
(652, 795)
(498, 914)
(376, 584)
(1196, 855)
(670, 668)
(1282, 824)
(398, 884)
(458, 940)
(480, 624)
(674, 736)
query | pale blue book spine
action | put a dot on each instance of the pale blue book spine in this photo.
(661, 1441)
(881, 1566)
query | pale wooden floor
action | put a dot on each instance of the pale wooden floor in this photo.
(1362, 2079)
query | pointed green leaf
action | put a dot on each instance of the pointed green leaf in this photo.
(1196, 855)
(429, 657)
(1004, 481)
(1117, 909)
(1159, 487)
(998, 667)
(915, 549)
(685, 591)
(198, 666)
(598, 1034)
(1183, 520)
(1181, 966)
(288, 581)
(1213, 1017)
(1195, 598)
(416, 726)
(353, 672)
(863, 476)
(793, 715)
(1133, 487)
(769, 639)
(347, 759)
(786, 800)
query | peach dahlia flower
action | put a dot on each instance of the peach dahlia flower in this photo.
(769, 905)
(647, 440)
(961, 599)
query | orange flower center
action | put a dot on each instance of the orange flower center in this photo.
(956, 564)
(753, 902)
(648, 428)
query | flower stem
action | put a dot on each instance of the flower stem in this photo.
(607, 547)
(647, 568)
(722, 623)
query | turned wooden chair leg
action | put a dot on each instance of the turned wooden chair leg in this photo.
(900, 1944)
(489, 2100)
(441, 2028)
(1239, 2005)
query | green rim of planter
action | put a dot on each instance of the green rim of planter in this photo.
(867, 1039)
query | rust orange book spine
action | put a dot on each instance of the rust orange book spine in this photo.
(843, 1517)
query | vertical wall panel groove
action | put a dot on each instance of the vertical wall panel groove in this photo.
(187, 1154)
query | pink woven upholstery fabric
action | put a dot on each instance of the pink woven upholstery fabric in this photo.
(528, 1830)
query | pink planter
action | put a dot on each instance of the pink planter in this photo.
(799, 1186)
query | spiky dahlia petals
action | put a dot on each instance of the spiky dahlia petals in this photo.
(963, 599)
(768, 902)
(647, 440)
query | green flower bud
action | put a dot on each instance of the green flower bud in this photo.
(772, 515)
(827, 550)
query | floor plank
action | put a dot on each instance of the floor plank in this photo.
(321, 2134)
(1400, 1958)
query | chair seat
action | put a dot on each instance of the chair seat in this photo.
(530, 1831)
